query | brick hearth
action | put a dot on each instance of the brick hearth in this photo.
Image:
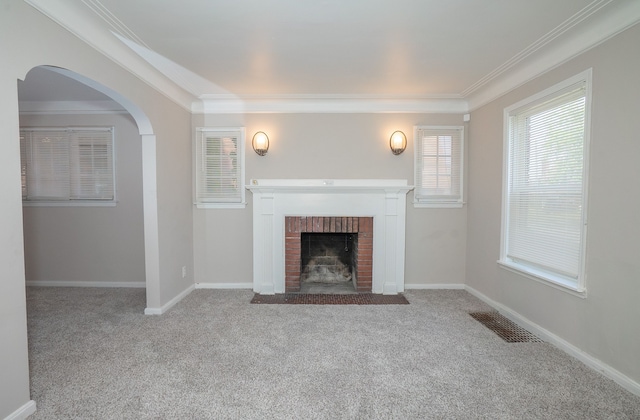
(295, 226)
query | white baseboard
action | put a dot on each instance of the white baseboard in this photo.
(23, 412)
(224, 285)
(164, 308)
(70, 283)
(417, 286)
(595, 364)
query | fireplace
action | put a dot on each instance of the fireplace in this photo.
(328, 249)
(381, 203)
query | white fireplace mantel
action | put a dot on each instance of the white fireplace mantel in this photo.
(382, 199)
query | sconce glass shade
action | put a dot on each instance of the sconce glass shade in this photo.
(398, 142)
(260, 143)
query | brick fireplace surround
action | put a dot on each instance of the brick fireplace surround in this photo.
(295, 226)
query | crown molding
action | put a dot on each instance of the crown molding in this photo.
(599, 21)
(86, 24)
(538, 45)
(596, 24)
(70, 107)
(335, 104)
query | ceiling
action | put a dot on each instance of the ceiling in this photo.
(399, 47)
(407, 49)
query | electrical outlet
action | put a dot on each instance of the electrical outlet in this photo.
(184, 271)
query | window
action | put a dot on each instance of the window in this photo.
(544, 198)
(438, 166)
(67, 165)
(219, 177)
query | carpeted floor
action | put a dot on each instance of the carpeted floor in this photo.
(94, 355)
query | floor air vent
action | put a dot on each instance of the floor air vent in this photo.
(506, 329)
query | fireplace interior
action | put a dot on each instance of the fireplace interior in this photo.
(328, 259)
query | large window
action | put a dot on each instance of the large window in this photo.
(438, 166)
(544, 214)
(71, 166)
(219, 154)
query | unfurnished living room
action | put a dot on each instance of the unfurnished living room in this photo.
(355, 209)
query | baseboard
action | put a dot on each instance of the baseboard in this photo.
(23, 412)
(70, 283)
(595, 364)
(164, 308)
(224, 285)
(433, 286)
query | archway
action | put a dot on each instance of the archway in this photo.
(149, 195)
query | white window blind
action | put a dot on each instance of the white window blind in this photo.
(92, 172)
(220, 167)
(545, 203)
(65, 164)
(23, 164)
(438, 166)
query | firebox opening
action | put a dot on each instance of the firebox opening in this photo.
(327, 260)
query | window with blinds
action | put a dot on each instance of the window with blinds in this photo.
(545, 195)
(67, 164)
(438, 166)
(219, 167)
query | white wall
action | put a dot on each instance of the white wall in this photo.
(91, 244)
(605, 324)
(330, 146)
(45, 43)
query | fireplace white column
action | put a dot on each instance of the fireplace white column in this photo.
(382, 199)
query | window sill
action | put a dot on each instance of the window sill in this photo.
(220, 205)
(71, 203)
(437, 205)
(556, 282)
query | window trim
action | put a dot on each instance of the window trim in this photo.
(240, 159)
(438, 202)
(579, 287)
(79, 202)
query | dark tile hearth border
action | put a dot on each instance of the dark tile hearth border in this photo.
(329, 299)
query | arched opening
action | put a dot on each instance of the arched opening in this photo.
(146, 166)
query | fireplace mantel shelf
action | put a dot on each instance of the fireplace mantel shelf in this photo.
(329, 185)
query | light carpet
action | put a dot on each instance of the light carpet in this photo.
(94, 355)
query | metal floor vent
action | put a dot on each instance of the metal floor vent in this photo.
(505, 328)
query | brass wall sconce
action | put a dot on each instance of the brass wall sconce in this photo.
(260, 143)
(397, 142)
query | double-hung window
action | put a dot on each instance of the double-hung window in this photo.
(67, 166)
(438, 166)
(219, 168)
(544, 193)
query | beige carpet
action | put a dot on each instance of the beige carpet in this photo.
(94, 355)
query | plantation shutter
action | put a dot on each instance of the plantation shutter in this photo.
(438, 166)
(545, 186)
(219, 176)
(92, 172)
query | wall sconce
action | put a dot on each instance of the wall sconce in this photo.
(260, 143)
(398, 142)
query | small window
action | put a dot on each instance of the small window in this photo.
(72, 166)
(438, 166)
(219, 177)
(544, 198)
